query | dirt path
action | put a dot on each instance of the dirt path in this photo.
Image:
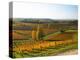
(70, 52)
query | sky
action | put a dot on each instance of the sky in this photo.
(44, 10)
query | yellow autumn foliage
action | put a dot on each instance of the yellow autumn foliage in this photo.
(33, 35)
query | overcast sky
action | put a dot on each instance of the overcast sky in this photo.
(43, 10)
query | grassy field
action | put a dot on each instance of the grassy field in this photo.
(49, 51)
(33, 40)
(49, 47)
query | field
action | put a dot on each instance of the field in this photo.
(43, 38)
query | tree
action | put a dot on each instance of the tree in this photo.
(33, 34)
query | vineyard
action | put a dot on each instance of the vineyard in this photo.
(35, 40)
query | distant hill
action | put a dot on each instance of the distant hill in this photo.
(45, 20)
